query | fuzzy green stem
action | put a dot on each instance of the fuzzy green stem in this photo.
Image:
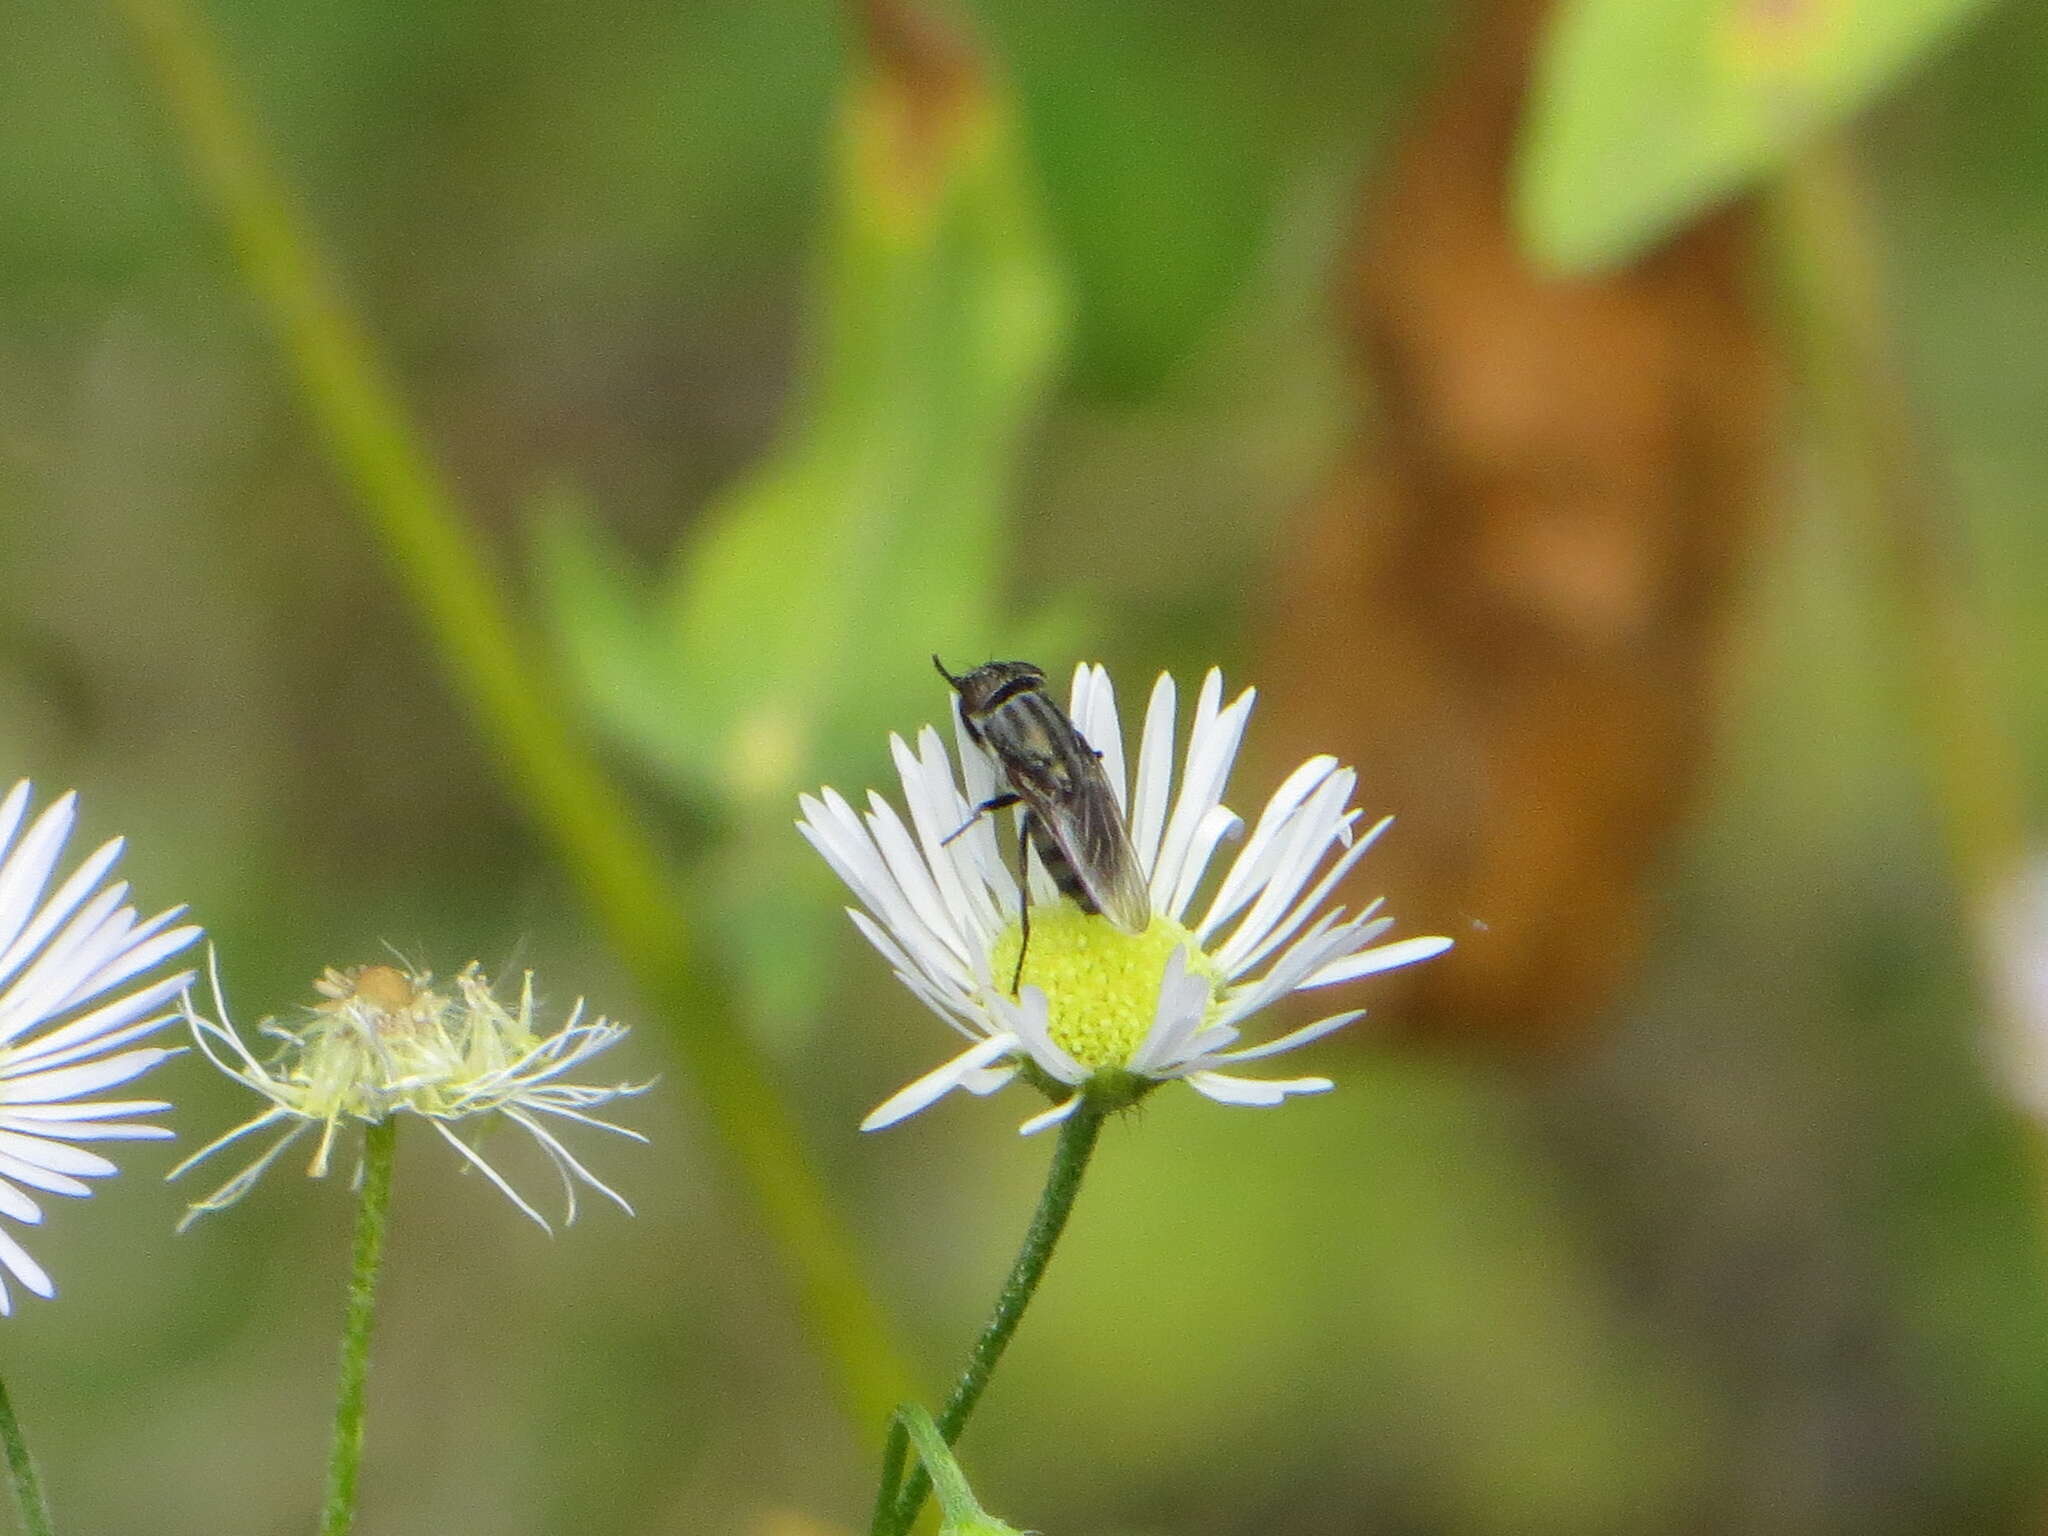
(1832, 280)
(895, 1513)
(373, 1210)
(948, 1481)
(650, 920)
(21, 1471)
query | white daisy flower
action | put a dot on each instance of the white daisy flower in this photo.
(67, 1026)
(382, 1041)
(1100, 1011)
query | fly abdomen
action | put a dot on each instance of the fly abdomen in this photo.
(1060, 867)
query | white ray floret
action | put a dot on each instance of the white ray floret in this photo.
(73, 1010)
(1101, 1010)
(381, 1042)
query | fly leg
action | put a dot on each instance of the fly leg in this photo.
(994, 803)
(1024, 829)
(1002, 803)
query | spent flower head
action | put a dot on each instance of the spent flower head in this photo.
(72, 1009)
(1102, 1012)
(383, 1041)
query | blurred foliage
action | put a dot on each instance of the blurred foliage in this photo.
(1647, 111)
(940, 319)
(1767, 1262)
(774, 642)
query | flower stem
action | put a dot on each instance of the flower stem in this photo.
(956, 1499)
(21, 1471)
(373, 1207)
(894, 1513)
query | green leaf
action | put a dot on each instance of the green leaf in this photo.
(623, 670)
(1645, 112)
(794, 621)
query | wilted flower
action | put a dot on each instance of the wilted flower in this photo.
(66, 1027)
(382, 1041)
(1102, 1011)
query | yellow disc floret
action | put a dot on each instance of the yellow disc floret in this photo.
(1101, 984)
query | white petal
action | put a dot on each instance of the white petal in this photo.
(246, 1128)
(1329, 939)
(1212, 749)
(1184, 998)
(986, 1080)
(25, 1269)
(138, 950)
(937, 811)
(26, 870)
(241, 1183)
(1025, 1016)
(1261, 1093)
(977, 773)
(82, 883)
(93, 932)
(1094, 715)
(1384, 958)
(56, 1156)
(979, 855)
(471, 1156)
(14, 1204)
(914, 879)
(34, 1055)
(1220, 822)
(1052, 1116)
(104, 1109)
(847, 845)
(90, 1130)
(1301, 846)
(10, 814)
(83, 1035)
(566, 1161)
(938, 1082)
(1247, 958)
(41, 1178)
(70, 1082)
(942, 994)
(1293, 1039)
(1154, 789)
(1249, 872)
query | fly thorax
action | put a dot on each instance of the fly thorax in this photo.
(1101, 984)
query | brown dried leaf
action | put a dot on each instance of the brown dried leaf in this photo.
(1509, 608)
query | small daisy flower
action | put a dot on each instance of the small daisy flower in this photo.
(1101, 1012)
(69, 1025)
(382, 1041)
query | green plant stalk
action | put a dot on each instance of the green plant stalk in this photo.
(373, 1218)
(1831, 283)
(956, 1499)
(21, 1472)
(646, 914)
(895, 1512)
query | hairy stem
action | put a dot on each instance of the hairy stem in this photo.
(21, 1471)
(373, 1209)
(894, 1512)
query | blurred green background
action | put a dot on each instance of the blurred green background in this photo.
(1765, 1258)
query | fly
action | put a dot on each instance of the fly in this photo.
(1070, 812)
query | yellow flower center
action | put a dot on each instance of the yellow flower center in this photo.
(1101, 984)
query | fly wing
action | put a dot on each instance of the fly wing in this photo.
(1090, 831)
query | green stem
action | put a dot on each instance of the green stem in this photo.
(552, 774)
(1831, 274)
(948, 1481)
(373, 1209)
(1062, 1184)
(21, 1471)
